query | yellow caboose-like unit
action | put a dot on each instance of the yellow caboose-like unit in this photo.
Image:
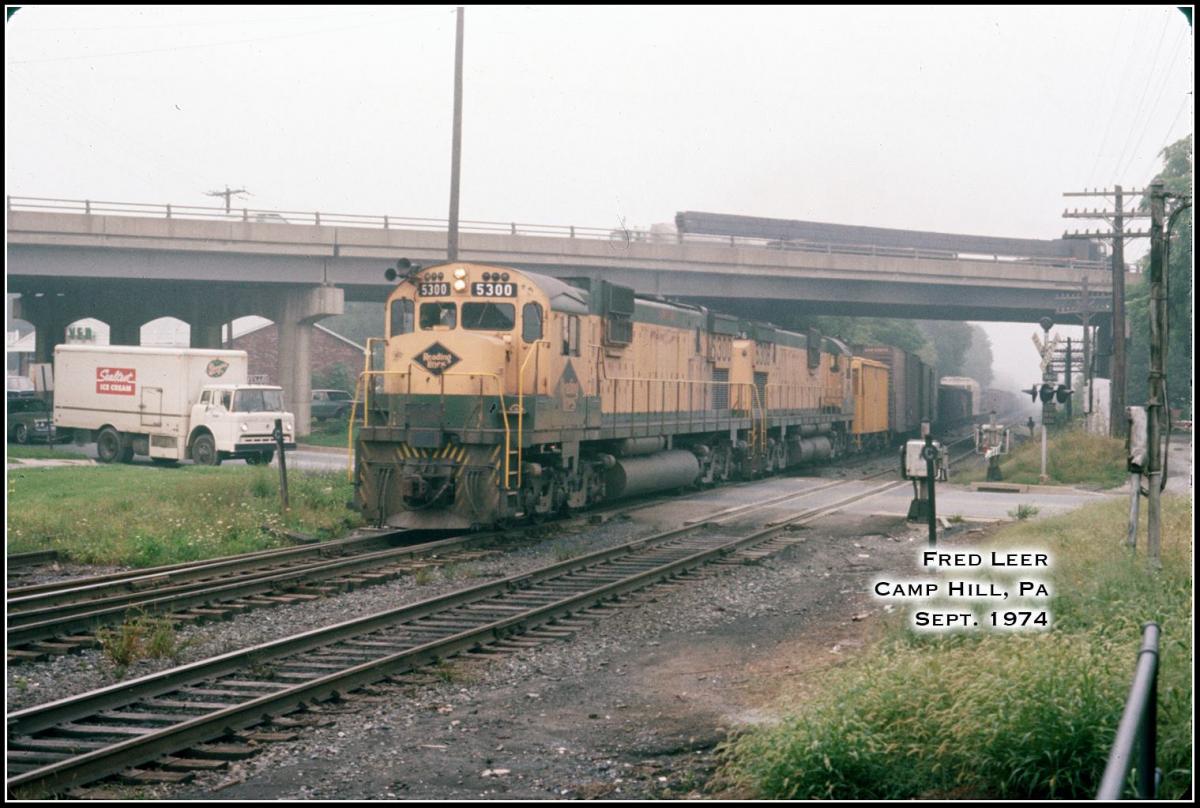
(507, 394)
(869, 381)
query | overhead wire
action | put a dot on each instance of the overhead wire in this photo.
(1166, 80)
(1142, 98)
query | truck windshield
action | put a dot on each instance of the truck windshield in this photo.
(258, 401)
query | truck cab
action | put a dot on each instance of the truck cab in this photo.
(240, 421)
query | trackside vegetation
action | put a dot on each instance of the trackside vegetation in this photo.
(1072, 458)
(142, 516)
(1000, 715)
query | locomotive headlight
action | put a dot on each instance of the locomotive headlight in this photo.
(460, 273)
(459, 285)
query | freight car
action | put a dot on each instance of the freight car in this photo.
(507, 394)
(1003, 402)
(959, 401)
(912, 389)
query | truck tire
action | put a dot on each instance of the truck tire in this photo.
(21, 434)
(204, 451)
(108, 445)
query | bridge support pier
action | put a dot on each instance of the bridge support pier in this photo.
(296, 312)
(49, 321)
(125, 330)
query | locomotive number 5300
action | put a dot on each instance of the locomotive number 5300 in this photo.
(494, 289)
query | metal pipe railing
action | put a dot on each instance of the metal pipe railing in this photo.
(1138, 728)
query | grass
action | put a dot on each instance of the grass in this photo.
(16, 451)
(143, 637)
(330, 432)
(1023, 512)
(142, 517)
(1000, 715)
(1072, 458)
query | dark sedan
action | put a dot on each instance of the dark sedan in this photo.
(30, 421)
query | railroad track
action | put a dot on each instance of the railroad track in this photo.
(58, 618)
(161, 726)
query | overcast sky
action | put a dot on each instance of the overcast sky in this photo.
(971, 120)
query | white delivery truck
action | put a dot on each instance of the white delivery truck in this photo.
(168, 403)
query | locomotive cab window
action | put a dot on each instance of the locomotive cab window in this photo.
(489, 316)
(438, 315)
(531, 322)
(402, 317)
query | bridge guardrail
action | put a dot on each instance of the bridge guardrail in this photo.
(91, 207)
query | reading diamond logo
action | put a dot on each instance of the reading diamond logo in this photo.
(437, 358)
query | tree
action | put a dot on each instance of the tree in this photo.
(978, 360)
(1176, 176)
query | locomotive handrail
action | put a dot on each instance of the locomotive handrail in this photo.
(369, 375)
(362, 384)
(537, 346)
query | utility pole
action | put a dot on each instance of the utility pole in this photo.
(456, 147)
(1116, 219)
(1156, 399)
(1085, 304)
(227, 193)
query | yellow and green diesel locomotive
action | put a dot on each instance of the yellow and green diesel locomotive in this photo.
(504, 394)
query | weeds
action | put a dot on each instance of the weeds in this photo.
(423, 576)
(1024, 512)
(1000, 716)
(143, 637)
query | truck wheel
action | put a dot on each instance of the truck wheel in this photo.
(21, 434)
(108, 445)
(204, 451)
(261, 459)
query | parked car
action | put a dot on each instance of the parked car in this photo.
(20, 387)
(30, 420)
(332, 404)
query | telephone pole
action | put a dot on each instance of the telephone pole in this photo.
(456, 147)
(1116, 220)
(227, 193)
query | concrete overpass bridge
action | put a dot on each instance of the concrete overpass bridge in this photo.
(127, 264)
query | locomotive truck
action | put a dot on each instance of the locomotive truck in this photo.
(168, 403)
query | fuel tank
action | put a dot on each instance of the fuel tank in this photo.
(630, 476)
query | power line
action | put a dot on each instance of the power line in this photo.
(1142, 98)
(1116, 99)
(1154, 107)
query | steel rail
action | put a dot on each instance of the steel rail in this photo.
(548, 594)
(15, 596)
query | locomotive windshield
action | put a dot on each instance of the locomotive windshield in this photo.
(434, 315)
(489, 316)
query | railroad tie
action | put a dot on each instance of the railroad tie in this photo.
(141, 777)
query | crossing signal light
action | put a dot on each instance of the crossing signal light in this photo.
(1063, 393)
(1046, 392)
(1033, 393)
